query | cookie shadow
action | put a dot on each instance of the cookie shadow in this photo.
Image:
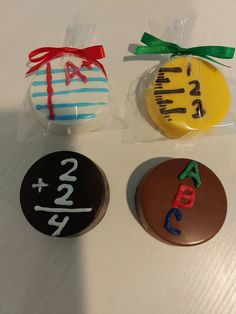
(135, 179)
(39, 271)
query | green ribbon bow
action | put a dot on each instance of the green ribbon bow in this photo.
(157, 46)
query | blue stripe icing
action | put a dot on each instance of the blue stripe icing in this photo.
(91, 79)
(55, 71)
(74, 116)
(70, 105)
(80, 90)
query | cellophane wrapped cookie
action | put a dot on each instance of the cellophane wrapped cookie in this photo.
(69, 91)
(185, 94)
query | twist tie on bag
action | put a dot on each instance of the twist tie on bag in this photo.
(44, 55)
(155, 45)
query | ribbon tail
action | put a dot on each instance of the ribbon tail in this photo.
(204, 57)
(36, 67)
(149, 39)
(93, 53)
(221, 52)
(155, 45)
(161, 49)
(215, 61)
(101, 67)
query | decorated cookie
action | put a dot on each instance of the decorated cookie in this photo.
(182, 202)
(188, 95)
(69, 90)
(64, 194)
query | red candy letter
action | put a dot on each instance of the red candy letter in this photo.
(185, 197)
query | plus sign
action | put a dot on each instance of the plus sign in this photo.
(39, 185)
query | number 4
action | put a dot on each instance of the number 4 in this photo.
(60, 224)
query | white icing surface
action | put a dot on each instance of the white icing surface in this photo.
(88, 102)
(60, 224)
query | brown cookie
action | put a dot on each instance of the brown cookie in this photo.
(182, 202)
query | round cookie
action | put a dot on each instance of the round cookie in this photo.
(181, 201)
(64, 194)
(65, 93)
(188, 95)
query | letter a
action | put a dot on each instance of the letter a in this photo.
(191, 171)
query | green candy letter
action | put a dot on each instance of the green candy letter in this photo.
(191, 171)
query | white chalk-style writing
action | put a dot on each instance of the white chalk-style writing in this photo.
(39, 185)
(62, 210)
(67, 176)
(60, 224)
(63, 200)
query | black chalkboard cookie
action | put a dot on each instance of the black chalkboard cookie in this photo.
(64, 194)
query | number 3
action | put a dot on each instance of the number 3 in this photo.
(200, 111)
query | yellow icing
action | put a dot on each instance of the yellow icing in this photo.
(215, 97)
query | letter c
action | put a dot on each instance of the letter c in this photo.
(178, 216)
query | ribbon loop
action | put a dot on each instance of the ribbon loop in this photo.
(156, 45)
(44, 55)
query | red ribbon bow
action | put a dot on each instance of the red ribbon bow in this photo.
(45, 54)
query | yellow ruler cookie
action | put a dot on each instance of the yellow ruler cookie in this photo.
(188, 95)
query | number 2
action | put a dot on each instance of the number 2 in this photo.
(67, 176)
(196, 90)
(63, 200)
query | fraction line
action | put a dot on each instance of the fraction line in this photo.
(62, 210)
